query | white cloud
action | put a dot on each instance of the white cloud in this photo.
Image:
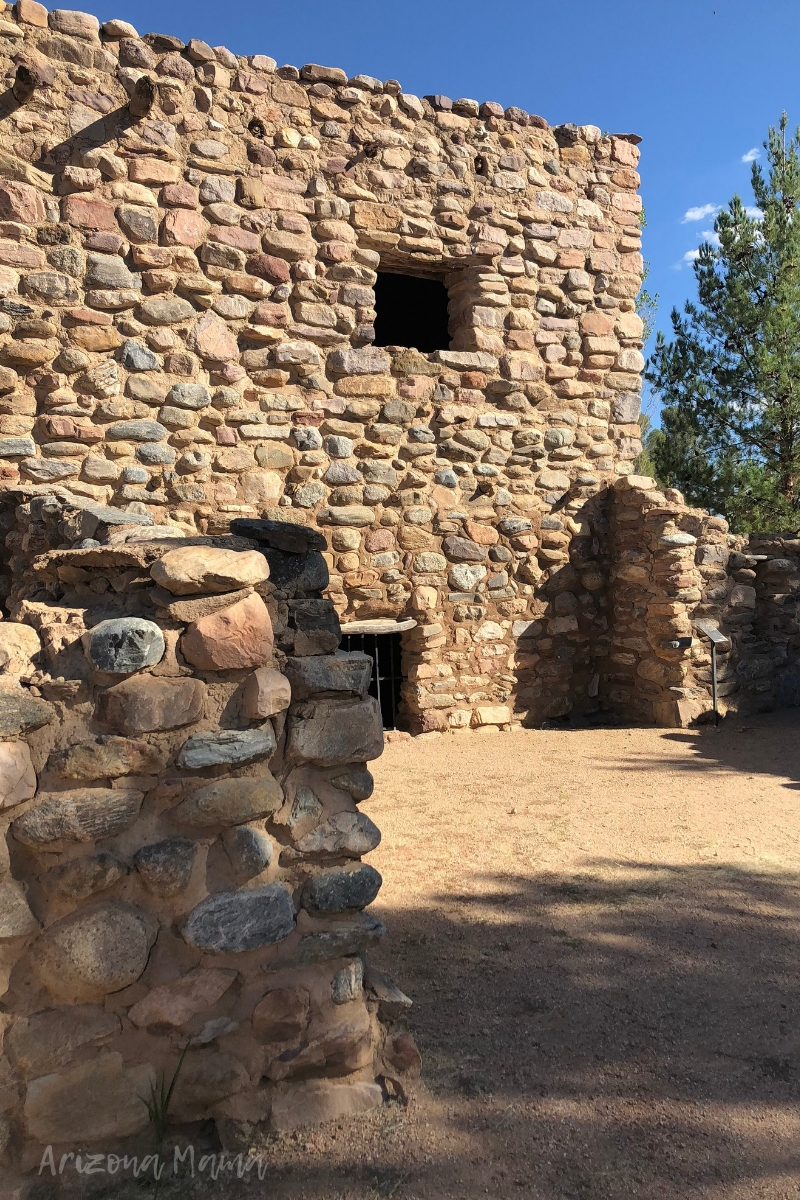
(699, 213)
(751, 155)
(754, 213)
(708, 235)
(690, 256)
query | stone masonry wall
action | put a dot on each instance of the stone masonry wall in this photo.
(180, 774)
(189, 243)
(673, 565)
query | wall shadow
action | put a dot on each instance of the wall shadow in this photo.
(629, 1031)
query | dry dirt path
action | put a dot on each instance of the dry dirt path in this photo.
(599, 929)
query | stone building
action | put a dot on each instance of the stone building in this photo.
(292, 366)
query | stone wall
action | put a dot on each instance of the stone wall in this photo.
(189, 243)
(180, 774)
(674, 565)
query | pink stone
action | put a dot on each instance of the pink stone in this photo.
(179, 195)
(173, 1004)
(233, 639)
(21, 202)
(274, 270)
(12, 254)
(379, 539)
(246, 81)
(109, 243)
(226, 436)
(230, 373)
(274, 315)
(211, 338)
(88, 214)
(242, 239)
(184, 228)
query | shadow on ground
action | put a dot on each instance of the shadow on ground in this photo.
(630, 1031)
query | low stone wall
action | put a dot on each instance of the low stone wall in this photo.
(180, 865)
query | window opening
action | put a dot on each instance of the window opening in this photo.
(411, 312)
(385, 651)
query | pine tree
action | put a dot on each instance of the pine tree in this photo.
(730, 379)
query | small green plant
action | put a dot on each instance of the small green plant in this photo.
(157, 1105)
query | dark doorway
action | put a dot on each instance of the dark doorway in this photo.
(384, 650)
(411, 312)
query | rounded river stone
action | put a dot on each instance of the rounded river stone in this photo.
(92, 952)
(124, 645)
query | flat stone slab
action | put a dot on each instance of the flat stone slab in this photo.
(330, 733)
(233, 922)
(21, 712)
(280, 535)
(145, 704)
(188, 570)
(229, 746)
(339, 672)
(230, 802)
(79, 816)
(347, 833)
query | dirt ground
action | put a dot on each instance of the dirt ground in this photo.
(599, 930)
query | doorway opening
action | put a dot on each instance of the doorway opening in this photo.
(411, 312)
(385, 651)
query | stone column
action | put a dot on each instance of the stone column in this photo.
(184, 752)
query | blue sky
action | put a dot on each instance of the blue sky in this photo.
(699, 80)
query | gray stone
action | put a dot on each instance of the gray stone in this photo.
(280, 535)
(348, 983)
(45, 1041)
(109, 271)
(21, 712)
(164, 312)
(16, 918)
(124, 645)
(625, 408)
(303, 574)
(233, 922)
(83, 877)
(376, 471)
(347, 834)
(306, 437)
(187, 611)
(514, 525)
(465, 578)
(339, 891)
(460, 549)
(230, 802)
(154, 454)
(58, 289)
(340, 941)
(339, 473)
(368, 361)
(136, 431)
(446, 478)
(306, 808)
(333, 733)
(94, 951)
(141, 226)
(85, 815)
(166, 866)
(189, 395)
(359, 784)
(249, 850)
(136, 357)
(17, 447)
(336, 446)
(339, 672)
(49, 470)
(230, 746)
(309, 494)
